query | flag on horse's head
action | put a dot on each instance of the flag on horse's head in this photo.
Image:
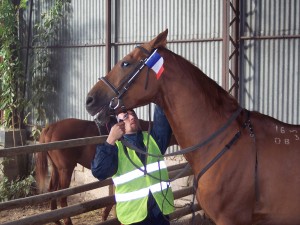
(155, 62)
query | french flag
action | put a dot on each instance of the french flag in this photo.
(155, 62)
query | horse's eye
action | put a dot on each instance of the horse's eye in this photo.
(125, 64)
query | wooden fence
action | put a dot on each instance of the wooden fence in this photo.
(85, 206)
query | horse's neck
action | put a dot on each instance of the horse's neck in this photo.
(193, 103)
(189, 115)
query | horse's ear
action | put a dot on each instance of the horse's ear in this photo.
(160, 40)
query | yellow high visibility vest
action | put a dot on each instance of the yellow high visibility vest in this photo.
(133, 187)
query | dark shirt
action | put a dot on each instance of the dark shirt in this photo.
(105, 162)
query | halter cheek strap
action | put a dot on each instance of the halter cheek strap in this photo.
(110, 85)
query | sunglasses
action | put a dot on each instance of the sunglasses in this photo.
(125, 116)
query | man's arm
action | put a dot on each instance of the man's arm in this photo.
(105, 162)
(161, 130)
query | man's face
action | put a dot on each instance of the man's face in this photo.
(131, 121)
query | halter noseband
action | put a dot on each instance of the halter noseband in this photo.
(123, 87)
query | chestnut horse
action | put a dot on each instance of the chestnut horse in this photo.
(64, 160)
(247, 164)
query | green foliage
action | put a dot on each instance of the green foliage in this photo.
(14, 189)
(51, 21)
(11, 71)
(42, 83)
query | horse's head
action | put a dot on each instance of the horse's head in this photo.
(124, 86)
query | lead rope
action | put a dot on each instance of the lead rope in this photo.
(203, 171)
(148, 137)
(165, 199)
(218, 156)
(158, 159)
(98, 126)
(194, 147)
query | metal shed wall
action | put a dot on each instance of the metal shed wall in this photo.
(269, 68)
(192, 27)
(77, 55)
(269, 59)
(194, 32)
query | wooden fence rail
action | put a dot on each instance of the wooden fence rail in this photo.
(6, 152)
(85, 206)
(173, 170)
(53, 195)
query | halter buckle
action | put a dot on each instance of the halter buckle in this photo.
(114, 103)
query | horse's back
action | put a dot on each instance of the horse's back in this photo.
(278, 167)
(70, 129)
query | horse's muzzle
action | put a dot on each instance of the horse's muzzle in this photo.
(91, 105)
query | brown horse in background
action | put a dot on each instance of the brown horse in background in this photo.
(247, 164)
(64, 160)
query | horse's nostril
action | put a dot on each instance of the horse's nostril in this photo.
(89, 101)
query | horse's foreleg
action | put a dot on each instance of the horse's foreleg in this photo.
(65, 176)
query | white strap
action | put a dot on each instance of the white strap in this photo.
(138, 173)
(142, 192)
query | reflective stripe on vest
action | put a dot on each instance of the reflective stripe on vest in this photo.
(142, 192)
(139, 172)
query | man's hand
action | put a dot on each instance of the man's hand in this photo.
(116, 132)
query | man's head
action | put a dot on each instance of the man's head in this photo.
(131, 121)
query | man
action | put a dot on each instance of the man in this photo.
(143, 196)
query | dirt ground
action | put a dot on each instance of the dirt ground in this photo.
(88, 218)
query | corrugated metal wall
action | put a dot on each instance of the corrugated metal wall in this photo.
(81, 60)
(269, 69)
(78, 55)
(190, 23)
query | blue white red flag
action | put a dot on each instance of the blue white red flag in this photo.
(155, 62)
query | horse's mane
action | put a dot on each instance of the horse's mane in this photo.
(215, 95)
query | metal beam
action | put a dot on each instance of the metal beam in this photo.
(108, 36)
(230, 47)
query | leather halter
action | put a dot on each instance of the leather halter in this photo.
(119, 91)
